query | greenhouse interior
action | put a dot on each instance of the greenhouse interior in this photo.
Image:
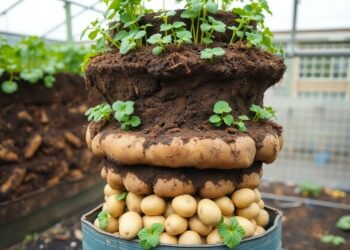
(178, 124)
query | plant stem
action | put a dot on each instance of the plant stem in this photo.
(197, 28)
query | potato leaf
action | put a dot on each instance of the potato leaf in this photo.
(344, 222)
(122, 196)
(102, 219)
(149, 237)
(333, 240)
(231, 233)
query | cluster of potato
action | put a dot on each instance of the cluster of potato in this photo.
(187, 219)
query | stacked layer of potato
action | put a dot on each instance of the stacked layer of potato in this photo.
(186, 219)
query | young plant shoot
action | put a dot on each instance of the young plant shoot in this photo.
(123, 114)
(231, 233)
(149, 237)
(99, 113)
(262, 113)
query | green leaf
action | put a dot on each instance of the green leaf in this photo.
(167, 39)
(49, 80)
(102, 218)
(121, 35)
(228, 120)
(212, 7)
(157, 50)
(208, 40)
(129, 107)
(215, 119)
(9, 87)
(343, 222)
(157, 228)
(184, 35)
(218, 51)
(165, 27)
(231, 233)
(170, 13)
(333, 240)
(241, 126)
(135, 121)
(122, 196)
(178, 24)
(149, 237)
(2, 71)
(93, 34)
(221, 107)
(243, 118)
(206, 54)
(205, 27)
(126, 46)
(185, 14)
(154, 38)
(254, 108)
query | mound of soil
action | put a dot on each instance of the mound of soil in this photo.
(42, 130)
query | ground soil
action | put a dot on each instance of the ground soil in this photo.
(302, 226)
(45, 129)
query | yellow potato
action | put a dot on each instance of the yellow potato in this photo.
(104, 173)
(214, 237)
(243, 197)
(115, 180)
(108, 191)
(261, 204)
(175, 224)
(259, 230)
(254, 224)
(226, 205)
(247, 225)
(115, 207)
(153, 205)
(263, 218)
(130, 223)
(208, 212)
(133, 202)
(166, 238)
(169, 210)
(198, 226)
(257, 195)
(184, 205)
(112, 225)
(190, 238)
(148, 221)
(250, 212)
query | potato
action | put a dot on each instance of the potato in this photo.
(226, 205)
(149, 220)
(214, 237)
(198, 226)
(247, 226)
(130, 224)
(112, 225)
(166, 238)
(250, 212)
(115, 180)
(104, 173)
(153, 205)
(108, 191)
(257, 195)
(261, 204)
(104, 206)
(254, 224)
(175, 224)
(114, 207)
(259, 230)
(243, 197)
(269, 149)
(190, 238)
(184, 205)
(263, 218)
(133, 202)
(169, 210)
(208, 212)
(226, 219)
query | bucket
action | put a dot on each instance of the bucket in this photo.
(96, 239)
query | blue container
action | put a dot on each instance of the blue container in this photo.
(96, 239)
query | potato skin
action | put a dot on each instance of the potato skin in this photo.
(153, 205)
(112, 225)
(173, 187)
(166, 238)
(247, 226)
(108, 191)
(104, 173)
(259, 230)
(115, 181)
(208, 212)
(226, 205)
(261, 204)
(214, 238)
(250, 212)
(269, 150)
(133, 202)
(198, 226)
(115, 207)
(263, 218)
(148, 220)
(190, 238)
(184, 205)
(242, 198)
(211, 190)
(257, 195)
(133, 184)
(175, 224)
(169, 210)
(130, 223)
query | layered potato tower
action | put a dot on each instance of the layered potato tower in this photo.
(176, 151)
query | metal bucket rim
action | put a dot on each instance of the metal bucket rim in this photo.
(278, 217)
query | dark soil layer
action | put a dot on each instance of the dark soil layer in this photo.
(150, 174)
(44, 128)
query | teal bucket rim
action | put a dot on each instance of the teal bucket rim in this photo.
(269, 231)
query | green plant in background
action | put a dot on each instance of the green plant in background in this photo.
(123, 114)
(343, 223)
(150, 237)
(310, 189)
(231, 233)
(333, 240)
(209, 54)
(262, 113)
(99, 113)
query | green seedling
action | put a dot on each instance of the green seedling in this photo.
(310, 189)
(262, 113)
(102, 218)
(333, 240)
(231, 233)
(160, 41)
(123, 114)
(209, 28)
(150, 237)
(99, 113)
(209, 54)
(344, 223)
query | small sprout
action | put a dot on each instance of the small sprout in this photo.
(160, 41)
(310, 189)
(122, 196)
(183, 36)
(265, 113)
(231, 233)
(102, 219)
(240, 123)
(100, 112)
(344, 223)
(150, 237)
(123, 114)
(208, 53)
(333, 240)
(9, 87)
